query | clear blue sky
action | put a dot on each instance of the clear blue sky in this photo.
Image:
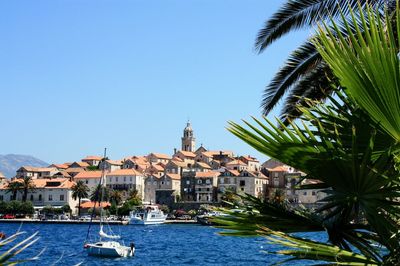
(77, 76)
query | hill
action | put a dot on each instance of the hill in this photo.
(11, 162)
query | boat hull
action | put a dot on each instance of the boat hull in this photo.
(137, 221)
(113, 250)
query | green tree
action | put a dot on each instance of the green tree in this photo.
(115, 196)
(26, 208)
(134, 197)
(100, 193)
(26, 185)
(66, 209)
(13, 187)
(14, 207)
(80, 190)
(349, 144)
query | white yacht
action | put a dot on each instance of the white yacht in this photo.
(149, 214)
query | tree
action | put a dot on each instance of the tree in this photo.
(66, 208)
(13, 187)
(26, 185)
(115, 196)
(134, 197)
(304, 74)
(349, 144)
(100, 193)
(80, 190)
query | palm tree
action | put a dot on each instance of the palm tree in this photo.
(80, 190)
(304, 74)
(116, 196)
(14, 187)
(100, 193)
(350, 145)
(26, 185)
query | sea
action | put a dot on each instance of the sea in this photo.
(166, 244)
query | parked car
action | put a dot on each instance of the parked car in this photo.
(184, 217)
(85, 218)
(9, 216)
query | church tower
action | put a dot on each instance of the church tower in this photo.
(188, 139)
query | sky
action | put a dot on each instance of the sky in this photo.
(80, 75)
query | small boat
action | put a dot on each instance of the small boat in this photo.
(207, 218)
(107, 245)
(109, 249)
(150, 214)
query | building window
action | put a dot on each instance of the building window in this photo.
(313, 193)
(187, 182)
(86, 181)
(199, 181)
(221, 180)
(305, 193)
(208, 181)
(130, 178)
(242, 183)
(61, 197)
(31, 197)
(116, 179)
(50, 197)
(1, 197)
(124, 178)
(40, 196)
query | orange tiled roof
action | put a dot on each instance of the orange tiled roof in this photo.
(188, 154)
(160, 155)
(75, 170)
(114, 162)
(236, 162)
(45, 182)
(120, 172)
(88, 175)
(233, 172)
(59, 166)
(278, 169)
(207, 174)
(249, 158)
(203, 165)
(91, 204)
(92, 157)
(38, 169)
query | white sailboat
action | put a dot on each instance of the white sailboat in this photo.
(108, 244)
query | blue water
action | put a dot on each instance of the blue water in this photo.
(169, 244)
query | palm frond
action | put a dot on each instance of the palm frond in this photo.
(296, 14)
(367, 65)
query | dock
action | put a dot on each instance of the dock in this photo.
(36, 221)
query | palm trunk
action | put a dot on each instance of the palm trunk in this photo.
(79, 207)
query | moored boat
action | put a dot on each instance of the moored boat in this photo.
(149, 214)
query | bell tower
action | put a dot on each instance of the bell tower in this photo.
(188, 139)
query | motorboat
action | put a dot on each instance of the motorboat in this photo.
(149, 214)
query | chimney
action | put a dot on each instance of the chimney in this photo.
(174, 151)
(220, 152)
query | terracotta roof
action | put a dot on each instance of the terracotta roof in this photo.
(236, 162)
(88, 175)
(278, 169)
(174, 176)
(114, 162)
(158, 167)
(177, 159)
(59, 166)
(207, 174)
(91, 204)
(75, 170)
(178, 163)
(160, 155)
(203, 165)
(124, 172)
(256, 174)
(50, 183)
(81, 164)
(38, 169)
(249, 158)
(233, 172)
(92, 157)
(188, 153)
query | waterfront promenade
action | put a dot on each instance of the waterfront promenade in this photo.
(85, 222)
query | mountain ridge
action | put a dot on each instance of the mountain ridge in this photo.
(9, 163)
